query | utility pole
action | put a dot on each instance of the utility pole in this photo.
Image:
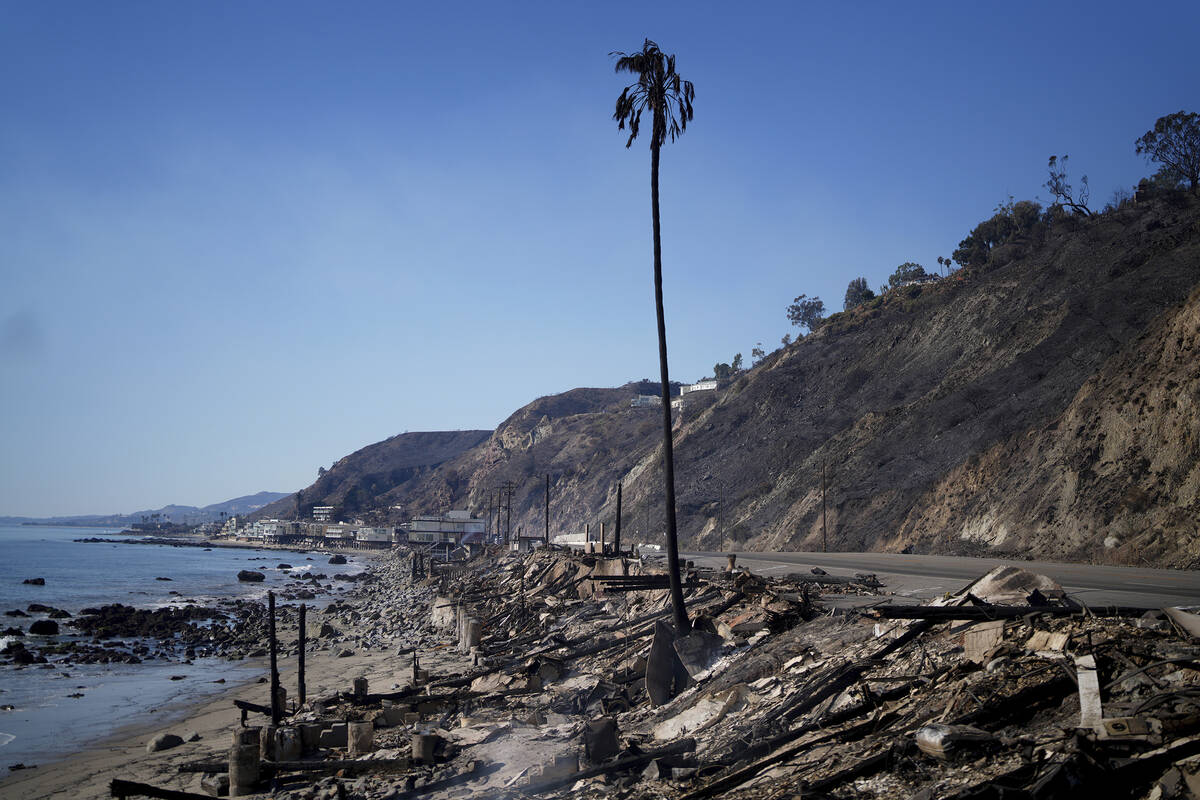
(507, 495)
(824, 530)
(547, 536)
(617, 535)
(499, 529)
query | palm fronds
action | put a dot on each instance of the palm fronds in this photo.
(659, 89)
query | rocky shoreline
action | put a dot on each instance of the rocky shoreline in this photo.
(364, 623)
(232, 628)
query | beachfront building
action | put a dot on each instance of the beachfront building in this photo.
(269, 531)
(450, 527)
(370, 537)
(573, 540)
(338, 535)
(282, 532)
(322, 513)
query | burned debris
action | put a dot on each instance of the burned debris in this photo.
(555, 674)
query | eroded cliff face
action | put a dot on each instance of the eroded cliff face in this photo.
(1047, 405)
(1115, 477)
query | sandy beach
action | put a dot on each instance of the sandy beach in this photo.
(123, 755)
(87, 774)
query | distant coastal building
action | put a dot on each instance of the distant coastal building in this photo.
(645, 401)
(338, 534)
(926, 278)
(373, 537)
(451, 527)
(572, 539)
(322, 513)
(699, 386)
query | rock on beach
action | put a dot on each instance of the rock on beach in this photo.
(164, 741)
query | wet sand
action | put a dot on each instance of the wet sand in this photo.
(88, 773)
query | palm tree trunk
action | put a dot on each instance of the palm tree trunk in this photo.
(682, 625)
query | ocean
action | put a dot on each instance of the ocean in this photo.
(56, 710)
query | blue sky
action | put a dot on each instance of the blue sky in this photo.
(239, 241)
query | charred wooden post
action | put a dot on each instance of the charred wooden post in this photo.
(300, 693)
(276, 711)
(617, 535)
(509, 487)
(546, 538)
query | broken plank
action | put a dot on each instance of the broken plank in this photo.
(348, 764)
(204, 766)
(245, 705)
(124, 789)
(740, 776)
(859, 769)
(1090, 709)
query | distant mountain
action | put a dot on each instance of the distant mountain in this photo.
(246, 504)
(243, 505)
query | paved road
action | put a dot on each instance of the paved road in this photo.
(923, 577)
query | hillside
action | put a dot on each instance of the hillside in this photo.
(1044, 404)
(362, 480)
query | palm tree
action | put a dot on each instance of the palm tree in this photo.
(668, 98)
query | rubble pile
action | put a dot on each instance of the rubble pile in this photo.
(384, 613)
(555, 674)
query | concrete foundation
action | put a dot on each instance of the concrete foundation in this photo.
(243, 769)
(334, 736)
(361, 737)
(266, 741)
(472, 633)
(288, 744)
(443, 612)
(423, 746)
(310, 736)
